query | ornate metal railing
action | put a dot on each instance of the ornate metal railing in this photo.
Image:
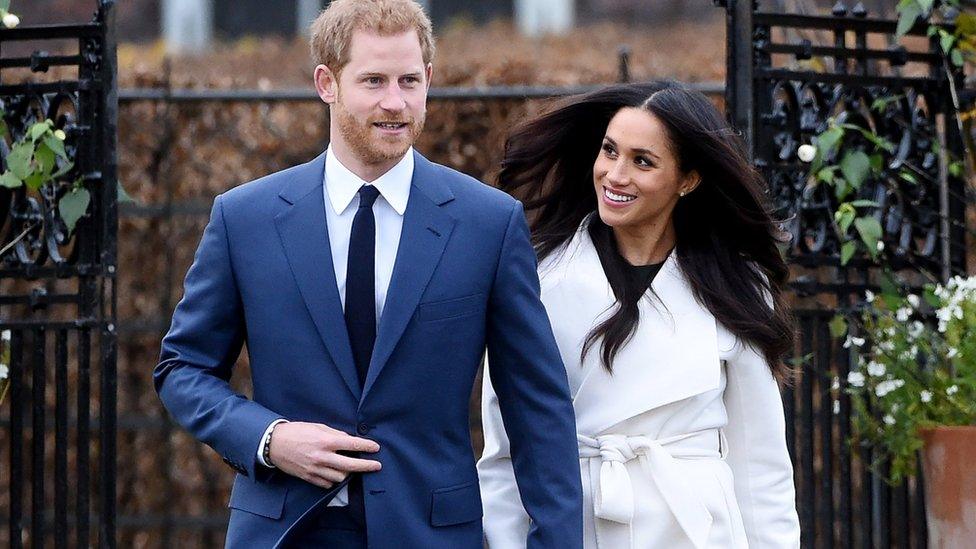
(57, 292)
(788, 76)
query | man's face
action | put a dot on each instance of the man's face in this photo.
(381, 97)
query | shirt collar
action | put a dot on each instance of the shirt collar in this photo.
(342, 185)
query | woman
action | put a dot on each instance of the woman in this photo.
(664, 285)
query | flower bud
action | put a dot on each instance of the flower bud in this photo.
(60, 134)
(806, 153)
(10, 20)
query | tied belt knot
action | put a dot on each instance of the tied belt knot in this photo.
(609, 454)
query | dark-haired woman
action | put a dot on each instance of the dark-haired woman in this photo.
(660, 271)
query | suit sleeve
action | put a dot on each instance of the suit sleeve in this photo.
(506, 523)
(198, 354)
(757, 454)
(533, 396)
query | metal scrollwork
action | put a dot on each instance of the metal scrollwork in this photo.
(31, 221)
(906, 192)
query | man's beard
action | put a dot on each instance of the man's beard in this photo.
(370, 148)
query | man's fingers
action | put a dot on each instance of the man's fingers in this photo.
(356, 444)
(332, 475)
(354, 465)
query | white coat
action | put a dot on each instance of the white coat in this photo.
(683, 445)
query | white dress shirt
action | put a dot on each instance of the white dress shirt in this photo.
(341, 194)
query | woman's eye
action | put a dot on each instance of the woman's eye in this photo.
(641, 161)
(608, 149)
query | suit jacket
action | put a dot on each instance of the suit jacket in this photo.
(683, 446)
(465, 278)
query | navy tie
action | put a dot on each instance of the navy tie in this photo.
(361, 312)
(361, 283)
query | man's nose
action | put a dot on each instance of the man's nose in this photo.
(393, 98)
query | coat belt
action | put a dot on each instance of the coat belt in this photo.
(614, 497)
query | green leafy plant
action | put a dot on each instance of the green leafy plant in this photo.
(855, 226)
(915, 368)
(33, 162)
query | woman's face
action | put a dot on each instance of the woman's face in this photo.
(636, 176)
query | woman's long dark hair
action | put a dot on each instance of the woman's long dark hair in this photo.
(726, 237)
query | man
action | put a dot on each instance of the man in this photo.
(367, 284)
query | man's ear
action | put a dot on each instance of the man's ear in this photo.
(326, 83)
(429, 72)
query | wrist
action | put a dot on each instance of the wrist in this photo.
(266, 446)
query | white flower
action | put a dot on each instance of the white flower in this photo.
(60, 135)
(913, 300)
(915, 329)
(888, 386)
(806, 152)
(880, 246)
(926, 396)
(836, 384)
(855, 379)
(869, 296)
(5, 336)
(952, 352)
(10, 20)
(855, 341)
(876, 369)
(889, 419)
(836, 407)
(952, 390)
(903, 314)
(4, 371)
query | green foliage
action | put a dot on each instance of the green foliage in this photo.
(914, 373)
(73, 205)
(33, 162)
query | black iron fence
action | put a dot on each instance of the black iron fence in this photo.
(57, 298)
(58, 293)
(789, 75)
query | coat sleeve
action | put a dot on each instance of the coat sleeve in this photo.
(757, 453)
(506, 523)
(533, 396)
(198, 354)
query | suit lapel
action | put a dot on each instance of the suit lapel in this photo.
(673, 354)
(305, 237)
(426, 230)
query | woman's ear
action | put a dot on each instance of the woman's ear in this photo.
(689, 182)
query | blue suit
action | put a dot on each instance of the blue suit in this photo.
(465, 278)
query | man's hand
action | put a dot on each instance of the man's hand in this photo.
(311, 452)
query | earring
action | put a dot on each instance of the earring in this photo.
(682, 193)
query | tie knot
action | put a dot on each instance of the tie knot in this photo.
(367, 195)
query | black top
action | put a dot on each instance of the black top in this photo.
(641, 276)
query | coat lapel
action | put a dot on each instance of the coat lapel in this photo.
(673, 354)
(426, 230)
(305, 237)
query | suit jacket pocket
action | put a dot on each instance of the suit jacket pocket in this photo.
(260, 498)
(455, 504)
(451, 308)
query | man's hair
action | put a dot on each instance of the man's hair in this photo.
(332, 30)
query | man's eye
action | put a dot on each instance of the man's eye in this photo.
(374, 80)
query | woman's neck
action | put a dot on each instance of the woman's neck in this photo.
(645, 245)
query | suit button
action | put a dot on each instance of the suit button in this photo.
(362, 429)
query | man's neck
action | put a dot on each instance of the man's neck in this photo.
(368, 172)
